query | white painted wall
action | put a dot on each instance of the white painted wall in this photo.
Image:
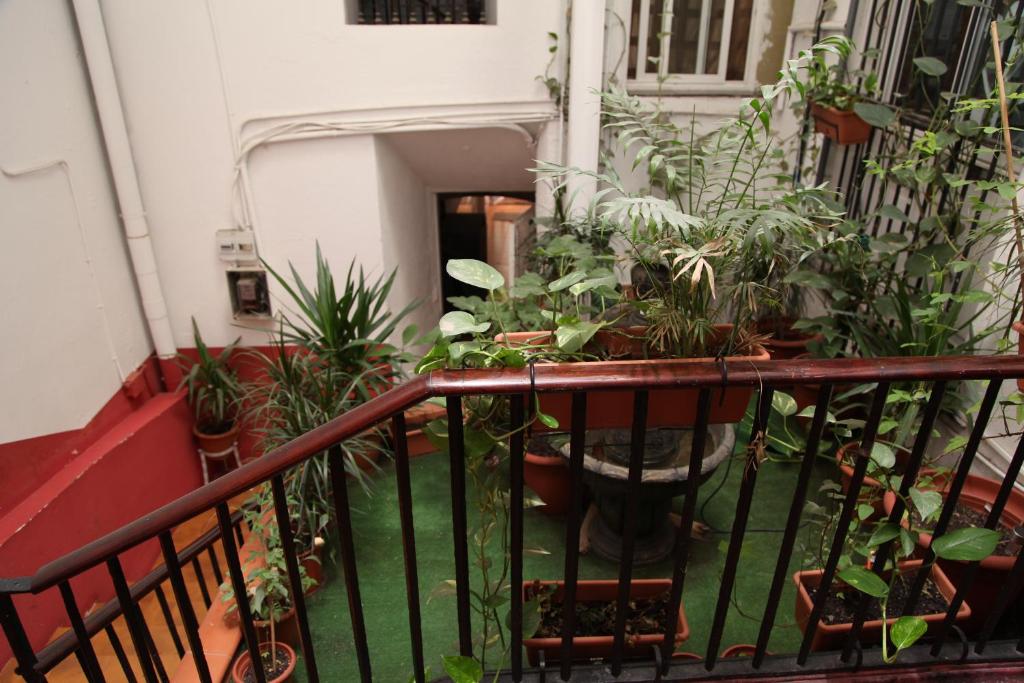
(200, 78)
(73, 325)
(409, 235)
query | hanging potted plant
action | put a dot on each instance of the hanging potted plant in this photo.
(213, 392)
(834, 101)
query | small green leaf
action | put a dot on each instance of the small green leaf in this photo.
(567, 280)
(883, 534)
(475, 273)
(883, 456)
(877, 115)
(864, 580)
(926, 502)
(906, 631)
(783, 404)
(459, 322)
(968, 544)
(463, 669)
(547, 420)
(930, 65)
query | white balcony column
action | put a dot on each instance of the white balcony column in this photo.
(586, 59)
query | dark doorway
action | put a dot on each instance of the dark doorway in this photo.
(463, 227)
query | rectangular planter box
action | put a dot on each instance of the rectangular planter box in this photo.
(600, 647)
(666, 407)
(833, 636)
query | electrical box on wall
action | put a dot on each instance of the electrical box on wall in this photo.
(237, 246)
(250, 297)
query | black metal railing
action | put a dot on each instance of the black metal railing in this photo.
(421, 12)
(581, 381)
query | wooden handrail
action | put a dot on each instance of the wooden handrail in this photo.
(545, 377)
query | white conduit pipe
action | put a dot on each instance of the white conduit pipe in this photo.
(586, 66)
(99, 64)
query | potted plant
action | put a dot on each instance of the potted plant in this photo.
(833, 101)
(267, 581)
(886, 590)
(213, 393)
(595, 601)
(278, 661)
(972, 510)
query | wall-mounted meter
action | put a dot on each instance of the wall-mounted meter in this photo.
(237, 246)
(250, 297)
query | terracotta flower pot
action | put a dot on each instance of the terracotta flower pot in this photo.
(548, 476)
(841, 127)
(243, 665)
(833, 636)
(741, 650)
(599, 647)
(994, 571)
(666, 408)
(416, 441)
(217, 445)
(1018, 327)
(286, 630)
(785, 343)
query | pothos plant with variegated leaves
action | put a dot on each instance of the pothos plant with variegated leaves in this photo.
(478, 341)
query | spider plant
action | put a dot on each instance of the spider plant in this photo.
(213, 386)
(348, 328)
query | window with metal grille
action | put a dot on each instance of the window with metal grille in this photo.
(690, 44)
(419, 12)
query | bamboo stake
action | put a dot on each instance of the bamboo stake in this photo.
(1008, 144)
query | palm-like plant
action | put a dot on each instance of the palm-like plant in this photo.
(213, 386)
(348, 329)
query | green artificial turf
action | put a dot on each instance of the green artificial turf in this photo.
(378, 543)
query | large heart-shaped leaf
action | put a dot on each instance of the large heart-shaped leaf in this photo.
(567, 280)
(463, 669)
(877, 115)
(906, 630)
(865, 580)
(783, 404)
(476, 273)
(968, 544)
(459, 322)
(882, 455)
(884, 533)
(572, 336)
(930, 65)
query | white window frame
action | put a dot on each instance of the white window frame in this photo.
(646, 83)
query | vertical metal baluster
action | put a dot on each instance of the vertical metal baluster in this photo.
(845, 516)
(516, 532)
(239, 536)
(991, 522)
(457, 462)
(412, 580)
(637, 444)
(133, 618)
(343, 514)
(215, 565)
(291, 560)
(90, 665)
(739, 524)
(252, 643)
(792, 522)
(154, 652)
(953, 494)
(577, 439)
(21, 647)
(909, 477)
(188, 615)
(682, 544)
(169, 619)
(122, 656)
(201, 578)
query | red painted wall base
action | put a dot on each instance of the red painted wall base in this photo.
(141, 463)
